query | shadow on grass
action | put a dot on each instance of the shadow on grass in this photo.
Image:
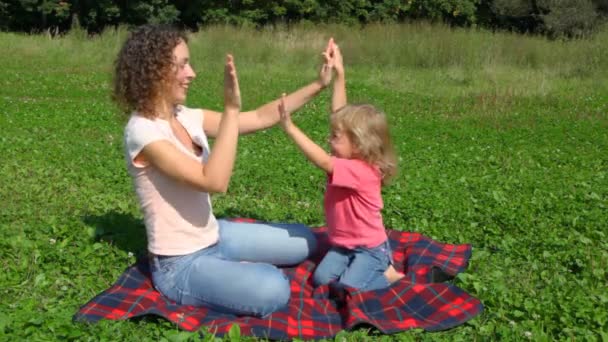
(128, 233)
(125, 231)
(232, 213)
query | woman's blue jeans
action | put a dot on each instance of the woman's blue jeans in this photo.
(237, 275)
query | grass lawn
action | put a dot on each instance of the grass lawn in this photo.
(502, 142)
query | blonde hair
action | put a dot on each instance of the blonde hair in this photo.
(367, 129)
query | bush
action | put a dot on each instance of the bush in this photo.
(460, 12)
(554, 18)
(4, 16)
(571, 18)
(94, 16)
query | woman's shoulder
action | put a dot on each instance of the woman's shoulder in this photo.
(190, 116)
(193, 113)
(141, 130)
(138, 122)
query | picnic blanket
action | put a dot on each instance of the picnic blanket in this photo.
(420, 300)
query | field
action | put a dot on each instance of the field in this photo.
(502, 142)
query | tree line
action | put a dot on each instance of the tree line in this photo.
(554, 18)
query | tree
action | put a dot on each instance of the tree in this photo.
(555, 18)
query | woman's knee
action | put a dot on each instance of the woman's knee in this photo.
(311, 240)
(299, 233)
(271, 294)
(275, 243)
(243, 288)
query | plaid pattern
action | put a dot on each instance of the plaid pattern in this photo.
(416, 301)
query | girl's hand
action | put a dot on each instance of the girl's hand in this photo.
(325, 74)
(232, 92)
(285, 115)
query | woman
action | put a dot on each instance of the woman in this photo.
(194, 258)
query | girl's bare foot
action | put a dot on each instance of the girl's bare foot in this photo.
(392, 275)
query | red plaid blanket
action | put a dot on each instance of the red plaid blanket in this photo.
(419, 300)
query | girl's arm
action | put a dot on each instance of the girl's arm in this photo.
(312, 151)
(213, 176)
(267, 115)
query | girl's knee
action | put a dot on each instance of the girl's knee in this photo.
(321, 278)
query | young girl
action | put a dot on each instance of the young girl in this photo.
(362, 160)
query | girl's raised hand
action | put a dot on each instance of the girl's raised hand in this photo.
(232, 92)
(285, 115)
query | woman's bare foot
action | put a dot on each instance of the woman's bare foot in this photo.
(392, 275)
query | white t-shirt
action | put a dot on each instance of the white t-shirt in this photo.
(179, 220)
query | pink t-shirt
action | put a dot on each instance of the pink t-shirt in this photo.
(179, 220)
(352, 204)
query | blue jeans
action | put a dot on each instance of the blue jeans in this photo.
(361, 268)
(236, 275)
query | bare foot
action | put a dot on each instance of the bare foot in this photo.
(392, 275)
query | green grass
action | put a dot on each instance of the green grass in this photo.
(502, 141)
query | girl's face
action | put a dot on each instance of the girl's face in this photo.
(184, 74)
(341, 145)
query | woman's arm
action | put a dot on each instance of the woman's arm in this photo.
(268, 115)
(213, 176)
(338, 98)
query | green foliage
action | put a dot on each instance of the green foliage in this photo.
(260, 12)
(33, 15)
(502, 144)
(555, 18)
(94, 15)
(453, 11)
(573, 18)
(155, 11)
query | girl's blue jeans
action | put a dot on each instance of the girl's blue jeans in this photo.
(361, 268)
(237, 275)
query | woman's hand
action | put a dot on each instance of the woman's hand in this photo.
(232, 92)
(338, 97)
(325, 73)
(336, 59)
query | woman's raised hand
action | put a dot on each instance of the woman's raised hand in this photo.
(325, 73)
(232, 92)
(336, 59)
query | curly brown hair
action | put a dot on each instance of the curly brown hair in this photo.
(143, 67)
(368, 130)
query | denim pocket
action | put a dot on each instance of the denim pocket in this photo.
(164, 271)
(388, 251)
(168, 264)
(382, 253)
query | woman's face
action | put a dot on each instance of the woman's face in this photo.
(184, 74)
